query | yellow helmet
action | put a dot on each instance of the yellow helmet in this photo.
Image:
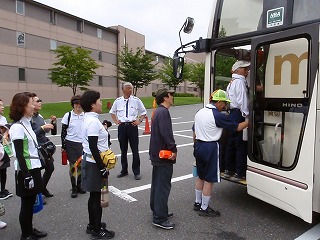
(219, 95)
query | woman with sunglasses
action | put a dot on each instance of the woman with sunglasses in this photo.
(71, 140)
(28, 165)
(40, 127)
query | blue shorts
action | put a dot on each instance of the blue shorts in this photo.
(207, 159)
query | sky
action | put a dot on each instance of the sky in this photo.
(160, 21)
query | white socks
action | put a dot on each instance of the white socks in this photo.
(205, 202)
(198, 196)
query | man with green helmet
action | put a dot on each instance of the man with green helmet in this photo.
(208, 125)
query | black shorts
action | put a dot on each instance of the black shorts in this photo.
(207, 160)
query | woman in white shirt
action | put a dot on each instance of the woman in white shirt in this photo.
(71, 140)
(95, 140)
(28, 174)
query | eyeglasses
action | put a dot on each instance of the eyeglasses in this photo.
(76, 101)
(39, 100)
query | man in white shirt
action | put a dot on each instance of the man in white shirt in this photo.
(236, 150)
(128, 112)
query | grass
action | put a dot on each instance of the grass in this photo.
(60, 108)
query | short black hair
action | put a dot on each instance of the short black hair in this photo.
(160, 98)
(75, 99)
(88, 98)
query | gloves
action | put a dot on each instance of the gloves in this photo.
(104, 173)
(28, 182)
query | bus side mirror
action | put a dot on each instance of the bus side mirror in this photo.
(188, 25)
(178, 63)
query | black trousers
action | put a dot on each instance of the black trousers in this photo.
(160, 190)
(129, 133)
(26, 215)
(48, 170)
(236, 149)
(95, 210)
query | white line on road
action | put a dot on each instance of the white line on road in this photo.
(180, 135)
(125, 193)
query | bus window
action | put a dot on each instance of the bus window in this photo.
(305, 10)
(280, 102)
(238, 16)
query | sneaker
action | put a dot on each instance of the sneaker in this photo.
(2, 224)
(4, 195)
(209, 212)
(137, 177)
(237, 178)
(228, 174)
(29, 238)
(47, 194)
(7, 192)
(102, 234)
(196, 206)
(165, 225)
(122, 174)
(90, 227)
(80, 190)
(38, 234)
(74, 192)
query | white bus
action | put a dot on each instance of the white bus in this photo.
(281, 39)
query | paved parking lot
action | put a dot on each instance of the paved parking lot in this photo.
(129, 214)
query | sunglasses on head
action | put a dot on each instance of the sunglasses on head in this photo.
(39, 100)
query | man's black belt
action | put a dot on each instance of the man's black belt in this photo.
(126, 123)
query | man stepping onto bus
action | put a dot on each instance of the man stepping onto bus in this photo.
(208, 125)
(236, 149)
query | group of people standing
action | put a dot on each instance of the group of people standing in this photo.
(83, 137)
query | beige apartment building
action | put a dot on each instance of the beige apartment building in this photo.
(30, 30)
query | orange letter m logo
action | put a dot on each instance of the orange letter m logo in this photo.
(295, 63)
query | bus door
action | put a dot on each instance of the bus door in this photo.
(281, 147)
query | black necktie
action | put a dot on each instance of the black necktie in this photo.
(127, 108)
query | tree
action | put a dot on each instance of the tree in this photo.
(136, 67)
(196, 75)
(75, 68)
(166, 76)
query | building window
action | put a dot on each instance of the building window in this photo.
(22, 74)
(100, 56)
(20, 7)
(53, 44)
(99, 33)
(53, 17)
(100, 80)
(80, 26)
(21, 39)
(157, 58)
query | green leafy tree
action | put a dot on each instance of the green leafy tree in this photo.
(136, 67)
(196, 75)
(75, 68)
(165, 74)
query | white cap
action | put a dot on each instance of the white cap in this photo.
(239, 64)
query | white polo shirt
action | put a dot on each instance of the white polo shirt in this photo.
(3, 120)
(93, 127)
(238, 94)
(17, 131)
(128, 113)
(74, 130)
(209, 123)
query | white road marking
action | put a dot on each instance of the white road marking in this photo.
(311, 234)
(180, 135)
(175, 118)
(125, 193)
(121, 194)
(182, 122)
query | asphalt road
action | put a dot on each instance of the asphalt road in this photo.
(129, 215)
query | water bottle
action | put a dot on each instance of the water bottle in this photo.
(64, 157)
(54, 130)
(245, 134)
(105, 195)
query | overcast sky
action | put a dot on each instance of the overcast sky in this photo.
(160, 21)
